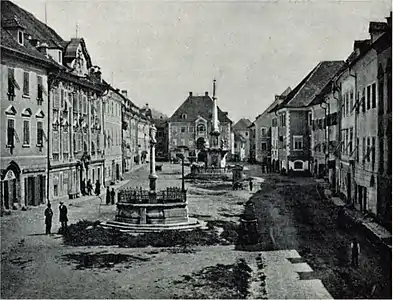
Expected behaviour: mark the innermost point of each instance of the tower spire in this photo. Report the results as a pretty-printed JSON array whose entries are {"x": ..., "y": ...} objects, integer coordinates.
[{"x": 215, "y": 111}]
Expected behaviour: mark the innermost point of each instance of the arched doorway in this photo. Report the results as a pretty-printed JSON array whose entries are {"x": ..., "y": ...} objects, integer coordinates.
[{"x": 11, "y": 185}]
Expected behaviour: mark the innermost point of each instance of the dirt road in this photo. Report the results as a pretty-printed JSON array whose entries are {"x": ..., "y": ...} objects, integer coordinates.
[{"x": 293, "y": 215}]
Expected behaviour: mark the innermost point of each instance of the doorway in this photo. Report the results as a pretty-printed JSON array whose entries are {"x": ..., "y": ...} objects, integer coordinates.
[{"x": 349, "y": 191}]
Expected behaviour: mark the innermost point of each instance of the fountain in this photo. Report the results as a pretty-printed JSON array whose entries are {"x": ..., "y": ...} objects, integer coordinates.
[
  {"x": 216, "y": 151},
  {"x": 150, "y": 210}
]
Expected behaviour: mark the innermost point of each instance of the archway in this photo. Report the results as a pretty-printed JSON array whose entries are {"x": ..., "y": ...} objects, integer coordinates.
[
  {"x": 200, "y": 143},
  {"x": 11, "y": 185},
  {"x": 202, "y": 156}
]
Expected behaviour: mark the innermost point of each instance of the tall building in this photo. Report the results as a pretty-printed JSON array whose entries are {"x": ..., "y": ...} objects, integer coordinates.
[
  {"x": 295, "y": 119},
  {"x": 24, "y": 114},
  {"x": 190, "y": 126}
]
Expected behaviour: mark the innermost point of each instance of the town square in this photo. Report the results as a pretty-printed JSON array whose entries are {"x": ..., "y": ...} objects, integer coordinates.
[{"x": 196, "y": 149}]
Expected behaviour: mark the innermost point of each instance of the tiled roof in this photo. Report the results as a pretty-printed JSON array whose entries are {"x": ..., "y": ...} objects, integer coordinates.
[
  {"x": 242, "y": 124},
  {"x": 195, "y": 106},
  {"x": 312, "y": 84},
  {"x": 277, "y": 101},
  {"x": 34, "y": 27},
  {"x": 8, "y": 41}
]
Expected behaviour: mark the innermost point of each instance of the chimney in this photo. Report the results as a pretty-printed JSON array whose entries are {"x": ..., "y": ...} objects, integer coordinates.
[
  {"x": 376, "y": 29},
  {"x": 359, "y": 46},
  {"x": 43, "y": 48},
  {"x": 190, "y": 94},
  {"x": 206, "y": 94},
  {"x": 124, "y": 93},
  {"x": 147, "y": 105}
]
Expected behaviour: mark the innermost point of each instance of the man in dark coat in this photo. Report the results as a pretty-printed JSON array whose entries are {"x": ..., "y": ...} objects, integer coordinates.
[
  {"x": 89, "y": 187},
  {"x": 251, "y": 184},
  {"x": 48, "y": 218},
  {"x": 113, "y": 193},
  {"x": 83, "y": 187},
  {"x": 108, "y": 195},
  {"x": 97, "y": 189},
  {"x": 63, "y": 217}
]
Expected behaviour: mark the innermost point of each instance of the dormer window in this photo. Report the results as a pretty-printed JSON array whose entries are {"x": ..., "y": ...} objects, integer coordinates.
[
  {"x": 184, "y": 116},
  {"x": 20, "y": 37}
]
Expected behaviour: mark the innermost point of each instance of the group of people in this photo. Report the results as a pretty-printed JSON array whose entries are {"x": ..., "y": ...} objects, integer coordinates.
[
  {"x": 62, "y": 217},
  {"x": 87, "y": 188}
]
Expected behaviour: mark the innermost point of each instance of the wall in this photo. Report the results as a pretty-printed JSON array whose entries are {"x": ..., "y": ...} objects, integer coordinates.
[{"x": 30, "y": 158}]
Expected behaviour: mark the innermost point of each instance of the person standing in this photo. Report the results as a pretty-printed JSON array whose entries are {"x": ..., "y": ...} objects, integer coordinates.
[
  {"x": 108, "y": 196},
  {"x": 63, "y": 217},
  {"x": 48, "y": 219},
  {"x": 355, "y": 249},
  {"x": 83, "y": 187},
  {"x": 251, "y": 184},
  {"x": 89, "y": 187},
  {"x": 113, "y": 196},
  {"x": 97, "y": 189}
]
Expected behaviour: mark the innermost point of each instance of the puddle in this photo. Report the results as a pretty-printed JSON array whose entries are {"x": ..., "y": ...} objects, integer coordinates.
[{"x": 101, "y": 260}]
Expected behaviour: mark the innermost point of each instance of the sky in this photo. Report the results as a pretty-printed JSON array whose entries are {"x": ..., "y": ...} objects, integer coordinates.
[{"x": 159, "y": 51}]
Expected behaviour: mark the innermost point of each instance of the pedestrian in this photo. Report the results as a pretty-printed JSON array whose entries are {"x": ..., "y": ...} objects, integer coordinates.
[
  {"x": 89, "y": 187},
  {"x": 355, "y": 249},
  {"x": 97, "y": 189},
  {"x": 83, "y": 187},
  {"x": 108, "y": 196},
  {"x": 48, "y": 218},
  {"x": 113, "y": 196},
  {"x": 250, "y": 184},
  {"x": 63, "y": 217}
]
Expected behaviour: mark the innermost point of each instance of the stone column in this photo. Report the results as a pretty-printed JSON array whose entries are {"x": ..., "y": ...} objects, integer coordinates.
[{"x": 153, "y": 175}]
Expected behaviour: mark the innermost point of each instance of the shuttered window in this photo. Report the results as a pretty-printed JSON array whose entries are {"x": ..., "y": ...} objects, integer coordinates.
[
  {"x": 26, "y": 83},
  {"x": 26, "y": 132},
  {"x": 39, "y": 133}
]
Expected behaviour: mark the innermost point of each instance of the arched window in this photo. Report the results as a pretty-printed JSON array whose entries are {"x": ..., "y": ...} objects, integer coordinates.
[
  {"x": 298, "y": 165},
  {"x": 93, "y": 148},
  {"x": 184, "y": 116},
  {"x": 201, "y": 128}
]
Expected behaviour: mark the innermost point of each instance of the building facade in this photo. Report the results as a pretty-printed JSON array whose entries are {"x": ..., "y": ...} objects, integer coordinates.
[
  {"x": 241, "y": 129},
  {"x": 294, "y": 118},
  {"x": 190, "y": 126},
  {"x": 113, "y": 135},
  {"x": 24, "y": 116}
]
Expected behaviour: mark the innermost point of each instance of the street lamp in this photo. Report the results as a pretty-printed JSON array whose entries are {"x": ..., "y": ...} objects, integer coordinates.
[{"x": 182, "y": 173}]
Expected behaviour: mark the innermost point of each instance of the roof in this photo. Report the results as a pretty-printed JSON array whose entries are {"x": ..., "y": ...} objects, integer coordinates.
[
  {"x": 277, "y": 100},
  {"x": 37, "y": 29},
  {"x": 303, "y": 94},
  {"x": 8, "y": 42},
  {"x": 242, "y": 124},
  {"x": 318, "y": 99},
  {"x": 195, "y": 106}
]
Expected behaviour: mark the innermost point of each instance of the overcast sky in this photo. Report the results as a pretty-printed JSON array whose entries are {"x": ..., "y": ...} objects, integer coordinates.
[{"x": 161, "y": 50}]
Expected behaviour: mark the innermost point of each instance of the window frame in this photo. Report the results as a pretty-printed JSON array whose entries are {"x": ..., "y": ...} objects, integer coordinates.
[
  {"x": 298, "y": 137},
  {"x": 40, "y": 134},
  {"x": 26, "y": 84},
  {"x": 26, "y": 143}
]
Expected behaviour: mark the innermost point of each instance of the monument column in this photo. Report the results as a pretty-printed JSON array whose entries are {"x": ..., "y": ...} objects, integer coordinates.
[{"x": 152, "y": 175}]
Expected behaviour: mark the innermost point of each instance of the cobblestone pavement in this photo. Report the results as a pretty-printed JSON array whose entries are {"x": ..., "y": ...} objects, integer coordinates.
[{"x": 39, "y": 266}]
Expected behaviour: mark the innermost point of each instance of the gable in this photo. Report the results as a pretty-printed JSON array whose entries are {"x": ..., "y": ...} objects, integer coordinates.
[
  {"x": 10, "y": 111},
  {"x": 27, "y": 113},
  {"x": 40, "y": 114}
]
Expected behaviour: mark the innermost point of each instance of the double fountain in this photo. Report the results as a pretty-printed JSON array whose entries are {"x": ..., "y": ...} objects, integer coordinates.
[{"x": 150, "y": 210}]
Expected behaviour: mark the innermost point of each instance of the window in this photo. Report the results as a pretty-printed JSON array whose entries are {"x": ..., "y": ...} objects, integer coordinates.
[
  {"x": 26, "y": 132},
  {"x": 264, "y": 147},
  {"x": 20, "y": 37},
  {"x": 363, "y": 100},
  {"x": 368, "y": 149},
  {"x": 26, "y": 83},
  {"x": 183, "y": 129},
  {"x": 40, "y": 132},
  {"x": 10, "y": 132},
  {"x": 381, "y": 155},
  {"x": 12, "y": 84},
  {"x": 368, "y": 97},
  {"x": 201, "y": 128},
  {"x": 357, "y": 149},
  {"x": 235, "y": 145},
  {"x": 298, "y": 165},
  {"x": 39, "y": 89},
  {"x": 184, "y": 116},
  {"x": 297, "y": 143},
  {"x": 282, "y": 119},
  {"x": 351, "y": 101},
  {"x": 373, "y": 96},
  {"x": 274, "y": 122},
  {"x": 364, "y": 150},
  {"x": 350, "y": 140},
  {"x": 174, "y": 142},
  {"x": 380, "y": 97},
  {"x": 246, "y": 133},
  {"x": 373, "y": 152},
  {"x": 60, "y": 57},
  {"x": 263, "y": 131},
  {"x": 191, "y": 129}
]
